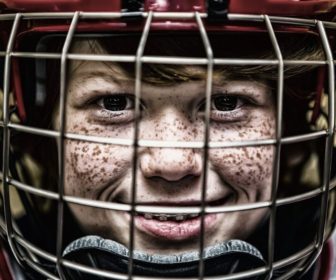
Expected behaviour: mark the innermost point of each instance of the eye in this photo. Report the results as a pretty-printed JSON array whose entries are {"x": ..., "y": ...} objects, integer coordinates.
[
  {"x": 116, "y": 103},
  {"x": 227, "y": 108},
  {"x": 225, "y": 103}
]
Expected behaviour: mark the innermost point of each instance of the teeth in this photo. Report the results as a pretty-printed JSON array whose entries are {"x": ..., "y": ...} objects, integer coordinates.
[
  {"x": 180, "y": 218},
  {"x": 148, "y": 216},
  {"x": 171, "y": 217}
]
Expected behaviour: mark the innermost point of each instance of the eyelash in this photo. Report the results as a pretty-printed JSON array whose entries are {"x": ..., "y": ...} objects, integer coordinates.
[
  {"x": 127, "y": 114},
  {"x": 114, "y": 117},
  {"x": 235, "y": 114}
]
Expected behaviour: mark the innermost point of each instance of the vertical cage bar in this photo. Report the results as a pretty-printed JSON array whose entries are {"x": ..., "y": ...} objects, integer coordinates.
[
  {"x": 329, "y": 144},
  {"x": 276, "y": 161},
  {"x": 331, "y": 130},
  {"x": 208, "y": 91},
  {"x": 61, "y": 139},
  {"x": 138, "y": 77},
  {"x": 6, "y": 138}
]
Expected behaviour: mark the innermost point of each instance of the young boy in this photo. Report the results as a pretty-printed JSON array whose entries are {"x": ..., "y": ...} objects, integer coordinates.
[{"x": 122, "y": 159}]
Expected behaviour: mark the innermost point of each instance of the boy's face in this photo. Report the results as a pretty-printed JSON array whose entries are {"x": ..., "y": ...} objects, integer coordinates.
[{"x": 101, "y": 101}]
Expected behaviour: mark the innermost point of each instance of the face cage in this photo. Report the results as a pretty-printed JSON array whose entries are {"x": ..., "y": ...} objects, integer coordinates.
[{"x": 308, "y": 255}]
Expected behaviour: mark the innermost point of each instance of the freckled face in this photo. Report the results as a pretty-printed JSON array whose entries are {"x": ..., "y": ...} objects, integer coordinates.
[{"x": 101, "y": 102}]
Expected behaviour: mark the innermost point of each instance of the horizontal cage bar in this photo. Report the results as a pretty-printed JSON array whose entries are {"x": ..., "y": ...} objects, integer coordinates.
[
  {"x": 165, "y": 59},
  {"x": 167, "y": 209},
  {"x": 168, "y": 144},
  {"x": 279, "y": 264},
  {"x": 166, "y": 15}
]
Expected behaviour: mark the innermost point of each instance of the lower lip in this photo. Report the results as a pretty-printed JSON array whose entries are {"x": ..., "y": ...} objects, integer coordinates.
[{"x": 172, "y": 230}]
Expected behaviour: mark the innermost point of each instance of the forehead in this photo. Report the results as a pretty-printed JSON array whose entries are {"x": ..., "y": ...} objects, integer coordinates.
[{"x": 163, "y": 74}]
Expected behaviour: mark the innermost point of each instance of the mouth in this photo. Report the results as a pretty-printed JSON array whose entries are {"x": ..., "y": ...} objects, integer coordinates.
[
  {"x": 177, "y": 227},
  {"x": 169, "y": 217}
]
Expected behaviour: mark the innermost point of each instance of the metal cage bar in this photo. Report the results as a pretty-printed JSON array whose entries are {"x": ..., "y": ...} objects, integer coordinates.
[
  {"x": 164, "y": 59},
  {"x": 331, "y": 128},
  {"x": 328, "y": 146},
  {"x": 138, "y": 77},
  {"x": 167, "y": 143},
  {"x": 164, "y": 15},
  {"x": 277, "y": 265},
  {"x": 61, "y": 140},
  {"x": 276, "y": 160},
  {"x": 159, "y": 15},
  {"x": 163, "y": 209},
  {"x": 6, "y": 140},
  {"x": 208, "y": 92}
]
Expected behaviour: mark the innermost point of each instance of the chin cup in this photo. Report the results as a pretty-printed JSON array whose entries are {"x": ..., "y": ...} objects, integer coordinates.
[{"x": 224, "y": 258}]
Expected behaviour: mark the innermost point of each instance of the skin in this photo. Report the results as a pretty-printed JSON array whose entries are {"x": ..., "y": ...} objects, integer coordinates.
[{"x": 167, "y": 176}]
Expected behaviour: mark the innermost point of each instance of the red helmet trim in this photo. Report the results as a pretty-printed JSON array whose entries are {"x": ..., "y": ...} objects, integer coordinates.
[{"x": 272, "y": 7}]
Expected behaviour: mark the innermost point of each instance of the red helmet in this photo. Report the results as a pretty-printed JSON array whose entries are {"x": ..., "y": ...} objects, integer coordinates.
[{"x": 139, "y": 135}]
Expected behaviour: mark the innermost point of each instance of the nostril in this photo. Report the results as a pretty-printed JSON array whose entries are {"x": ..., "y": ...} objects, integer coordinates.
[
  {"x": 172, "y": 174},
  {"x": 170, "y": 187}
]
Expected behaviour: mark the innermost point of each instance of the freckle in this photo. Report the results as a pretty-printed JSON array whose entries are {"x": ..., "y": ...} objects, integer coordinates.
[{"x": 83, "y": 129}]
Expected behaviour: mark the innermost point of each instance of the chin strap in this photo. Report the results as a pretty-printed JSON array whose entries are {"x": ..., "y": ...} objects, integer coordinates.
[{"x": 224, "y": 258}]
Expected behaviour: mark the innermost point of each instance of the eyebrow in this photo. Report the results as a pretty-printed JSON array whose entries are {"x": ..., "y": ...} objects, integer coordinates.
[
  {"x": 121, "y": 79},
  {"x": 109, "y": 77}
]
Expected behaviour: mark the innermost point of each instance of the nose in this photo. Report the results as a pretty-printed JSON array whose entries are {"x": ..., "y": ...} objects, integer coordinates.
[{"x": 171, "y": 164}]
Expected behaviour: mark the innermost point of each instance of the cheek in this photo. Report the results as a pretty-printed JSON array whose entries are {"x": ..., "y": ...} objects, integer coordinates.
[
  {"x": 90, "y": 166},
  {"x": 248, "y": 168},
  {"x": 263, "y": 128}
]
